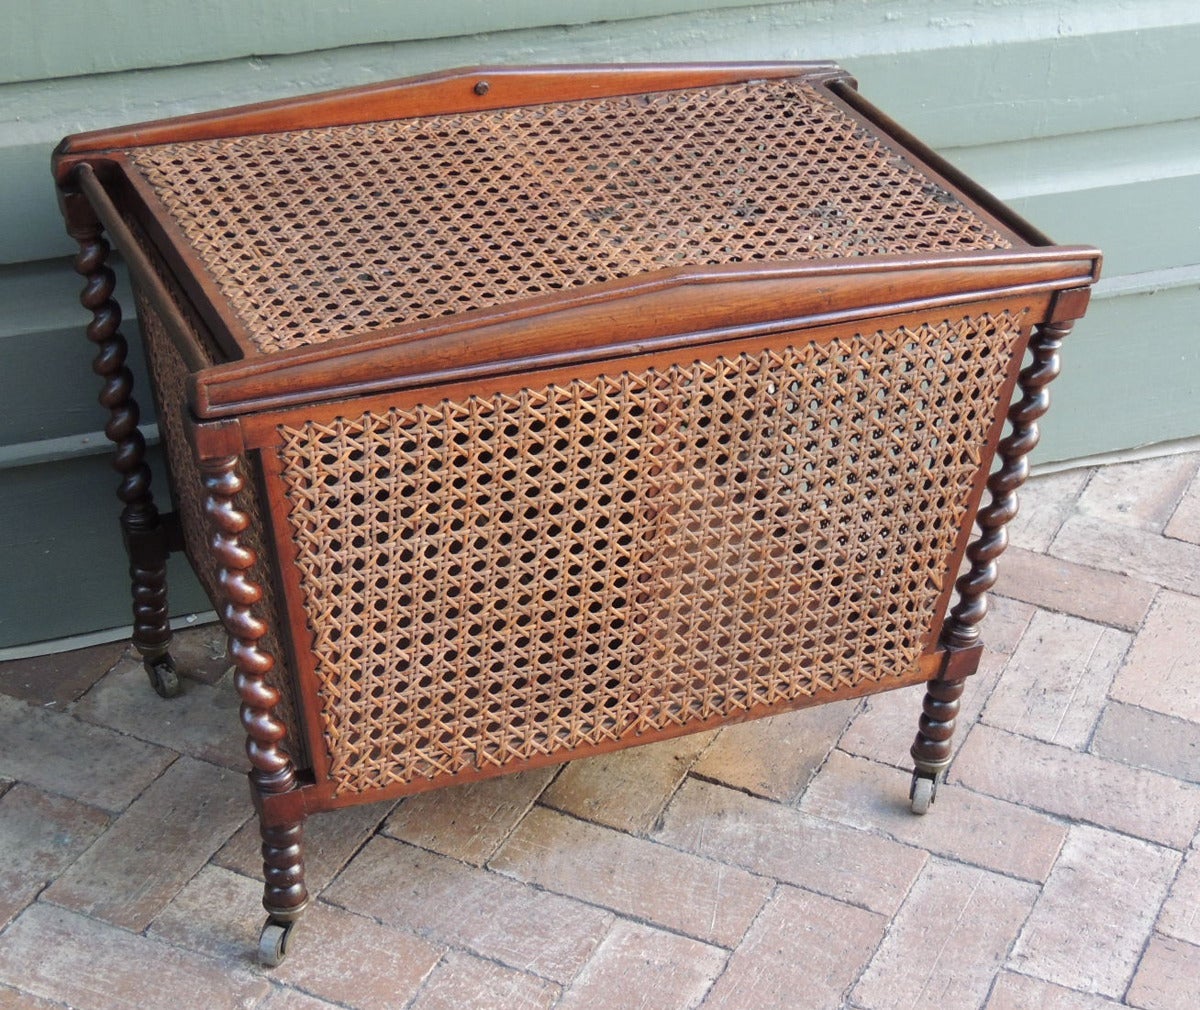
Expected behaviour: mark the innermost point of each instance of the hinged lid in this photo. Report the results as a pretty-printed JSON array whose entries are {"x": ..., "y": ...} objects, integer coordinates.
[{"x": 494, "y": 198}]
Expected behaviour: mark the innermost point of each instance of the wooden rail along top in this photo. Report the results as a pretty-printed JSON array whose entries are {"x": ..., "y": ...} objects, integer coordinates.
[{"x": 517, "y": 415}]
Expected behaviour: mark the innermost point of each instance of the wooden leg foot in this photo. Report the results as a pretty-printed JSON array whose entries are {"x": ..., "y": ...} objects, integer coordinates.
[
  {"x": 931, "y": 749},
  {"x": 285, "y": 896}
]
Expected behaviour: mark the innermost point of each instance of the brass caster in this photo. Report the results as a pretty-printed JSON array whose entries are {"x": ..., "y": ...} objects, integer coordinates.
[
  {"x": 922, "y": 793},
  {"x": 273, "y": 943},
  {"x": 163, "y": 677}
]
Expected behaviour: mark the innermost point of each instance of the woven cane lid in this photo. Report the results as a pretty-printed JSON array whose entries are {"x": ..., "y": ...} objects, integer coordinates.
[{"x": 322, "y": 233}]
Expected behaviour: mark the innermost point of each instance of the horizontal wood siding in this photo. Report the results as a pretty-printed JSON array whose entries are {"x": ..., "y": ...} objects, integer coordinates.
[{"x": 1085, "y": 114}]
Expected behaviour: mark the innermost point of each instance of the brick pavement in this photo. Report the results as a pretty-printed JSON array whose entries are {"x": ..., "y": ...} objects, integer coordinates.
[{"x": 767, "y": 865}]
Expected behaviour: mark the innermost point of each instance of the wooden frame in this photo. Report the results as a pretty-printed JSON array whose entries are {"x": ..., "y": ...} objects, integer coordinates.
[{"x": 239, "y": 404}]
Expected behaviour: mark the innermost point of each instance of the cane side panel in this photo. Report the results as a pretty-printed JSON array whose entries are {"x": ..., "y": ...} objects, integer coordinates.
[
  {"x": 313, "y": 234},
  {"x": 502, "y": 577},
  {"x": 169, "y": 375}
]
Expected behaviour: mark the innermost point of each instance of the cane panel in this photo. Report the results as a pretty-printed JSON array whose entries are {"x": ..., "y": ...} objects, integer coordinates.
[
  {"x": 501, "y": 577},
  {"x": 169, "y": 374},
  {"x": 313, "y": 234}
]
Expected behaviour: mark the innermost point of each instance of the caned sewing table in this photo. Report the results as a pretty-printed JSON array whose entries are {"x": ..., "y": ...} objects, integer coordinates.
[{"x": 519, "y": 415}]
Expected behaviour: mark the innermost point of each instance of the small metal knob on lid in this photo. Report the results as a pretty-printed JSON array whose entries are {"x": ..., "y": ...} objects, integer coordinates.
[{"x": 482, "y": 88}]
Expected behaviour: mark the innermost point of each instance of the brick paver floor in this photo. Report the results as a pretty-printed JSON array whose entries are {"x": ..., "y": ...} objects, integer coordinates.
[{"x": 768, "y": 865}]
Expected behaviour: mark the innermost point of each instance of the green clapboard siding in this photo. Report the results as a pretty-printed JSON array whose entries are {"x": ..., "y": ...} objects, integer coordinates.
[
  {"x": 65, "y": 573},
  {"x": 1085, "y": 114},
  {"x": 1141, "y": 226},
  {"x": 952, "y": 92},
  {"x": 129, "y": 35},
  {"x": 43, "y": 323},
  {"x": 1124, "y": 369}
]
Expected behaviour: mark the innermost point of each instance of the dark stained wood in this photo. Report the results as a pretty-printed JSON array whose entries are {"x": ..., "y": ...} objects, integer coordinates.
[
  {"x": 320, "y": 795},
  {"x": 683, "y": 307},
  {"x": 241, "y": 413},
  {"x": 260, "y": 429},
  {"x": 284, "y": 896},
  {"x": 271, "y": 769},
  {"x": 144, "y": 274},
  {"x": 145, "y": 538},
  {"x": 931, "y": 750},
  {"x": 962, "y": 627},
  {"x": 939, "y": 167},
  {"x": 446, "y": 91}
]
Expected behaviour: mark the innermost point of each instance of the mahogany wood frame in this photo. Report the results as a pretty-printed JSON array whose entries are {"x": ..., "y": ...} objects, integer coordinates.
[{"x": 236, "y": 406}]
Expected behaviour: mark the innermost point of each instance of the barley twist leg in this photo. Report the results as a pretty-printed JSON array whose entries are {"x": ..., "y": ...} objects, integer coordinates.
[{"x": 931, "y": 750}]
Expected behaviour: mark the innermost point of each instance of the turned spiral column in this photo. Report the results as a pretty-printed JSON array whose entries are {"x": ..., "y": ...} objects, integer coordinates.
[
  {"x": 141, "y": 527},
  {"x": 962, "y": 626},
  {"x": 271, "y": 769},
  {"x": 931, "y": 749}
]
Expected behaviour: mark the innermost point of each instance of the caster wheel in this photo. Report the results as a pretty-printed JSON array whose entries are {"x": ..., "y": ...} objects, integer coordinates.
[
  {"x": 922, "y": 795},
  {"x": 163, "y": 677},
  {"x": 273, "y": 943}
]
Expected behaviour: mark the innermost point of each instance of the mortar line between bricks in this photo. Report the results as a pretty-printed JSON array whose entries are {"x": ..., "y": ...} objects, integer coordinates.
[
  {"x": 1179, "y": 540},
  {"x": 1108, "y": 698},
  {"x": 883, "y": 935},
  {"x": 282, "y": 987},
  {"x": 565, "y": 986},
  {"x": 946, "y": 935},
  {"x": 945, "y": 857},
  {"x": 1184, "y": 487},
  {"x": 244, "y": 770},
  {"x": 371, "y": 835},
  {"x": 647, "y": 839},
  {"x": 1067, "y": 513},
  {"x": 1082, "y": 822},
  {"x": 905, "y": 767},
  {"x": 1086, "y": 749},
  {"x": 1124, "y": 997},
  {"x": 424, "y": 983},
  {"x": 318, "y": 899},
  {"x": 518, "y": 821},
  {"x": 1068, "y": 988},
  {"x": 1051, "y": 608},
  {"x": 125, "y": 655},
  {"x": 848, "y": 827},
  {"x": 630, "y": 916},
  {"x": 1005, "y": 964},
  {"x": 25, "y": 992},
  {"x": 733, "y": 787},
  {"x": 770, "y": 900},
  {"x": 656, "y": 821},
  {"x": 145, "y": 930},
  {"x": 447, "y": 946},
  {"x": 991, "y": 986},
  {"x": 1071, "y": 750},
  {"x": 141, "y": 936},
  {"x": 114, "y": 814},
  {"x": 696, "y": 855},
  {"x": 1176, "y": 586},
  {"x": 795, "y": 804},
  {"x": 1152, "y": 712},
  {"x": 1154, "y": 930},
  {"x": 747, "y": 791}
]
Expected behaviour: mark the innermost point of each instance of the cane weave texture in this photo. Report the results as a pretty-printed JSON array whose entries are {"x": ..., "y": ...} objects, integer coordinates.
[
  {"x": 508, "y": 576},
  {"x": 169, "y": 373},
  {"x": 319, "y": 233}
]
